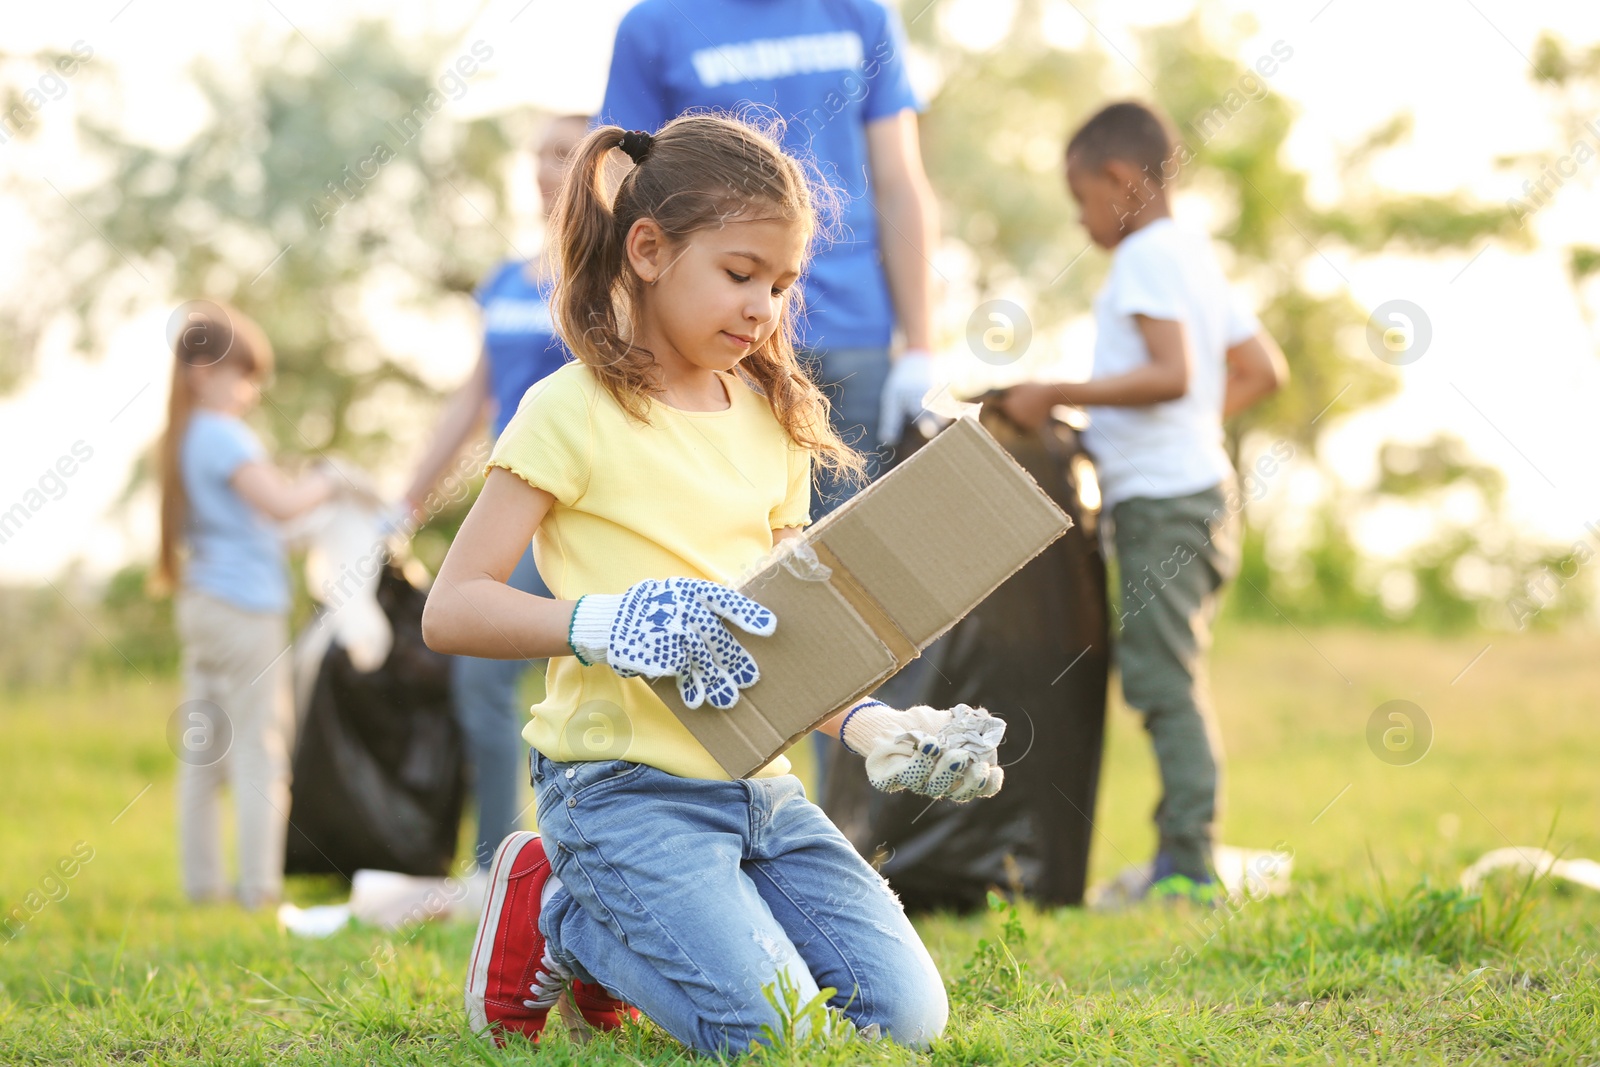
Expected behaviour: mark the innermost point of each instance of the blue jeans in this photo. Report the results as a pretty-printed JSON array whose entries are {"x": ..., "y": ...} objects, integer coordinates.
[
  {"x": 491, "y": 717},
  {"x": 684, "y": 896}
]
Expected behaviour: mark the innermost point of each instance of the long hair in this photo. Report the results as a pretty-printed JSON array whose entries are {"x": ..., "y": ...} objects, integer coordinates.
[
  {"x": 209, "y": 335},
  {"x": 702, "y": 170}
]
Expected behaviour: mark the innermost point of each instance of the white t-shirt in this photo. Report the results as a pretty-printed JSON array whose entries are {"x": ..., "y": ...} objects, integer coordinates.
[{"x": 1171, "y": 449}]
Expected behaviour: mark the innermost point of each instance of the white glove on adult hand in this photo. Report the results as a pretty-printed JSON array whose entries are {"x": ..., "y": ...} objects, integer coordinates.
[
  {"x": 910, "y": 378},
  {"x": 951, "y": 753},
  {"x": 673, "y": 626}
]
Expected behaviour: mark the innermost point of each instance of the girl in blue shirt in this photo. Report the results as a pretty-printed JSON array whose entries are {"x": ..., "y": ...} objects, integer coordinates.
[{"x": 220, "y": 551}]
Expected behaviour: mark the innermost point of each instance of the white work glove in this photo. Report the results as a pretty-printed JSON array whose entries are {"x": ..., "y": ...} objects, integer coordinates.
[
  {"x": 673, "y": 626},
  {"x": 950, "y": 753},
  {"x": 910, "y": 378}
]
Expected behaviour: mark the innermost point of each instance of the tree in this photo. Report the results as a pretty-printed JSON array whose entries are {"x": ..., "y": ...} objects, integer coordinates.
[
  {"x": 994, "y": 137},
  {"x": 1570, "y": 79},
  {"x": 313, "y": 182}
]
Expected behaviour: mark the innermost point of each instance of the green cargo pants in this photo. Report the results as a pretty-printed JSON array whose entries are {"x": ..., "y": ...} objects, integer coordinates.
[{"x": 1175, "y": 555}]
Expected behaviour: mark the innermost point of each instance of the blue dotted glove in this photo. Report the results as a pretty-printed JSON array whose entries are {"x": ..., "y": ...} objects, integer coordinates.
[{"x": 673, "y": 626}]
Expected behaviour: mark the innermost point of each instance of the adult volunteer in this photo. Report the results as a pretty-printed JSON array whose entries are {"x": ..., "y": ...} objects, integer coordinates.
[
  {"x": 835, "y": 72},
  {"x": 520, "y": 347}
]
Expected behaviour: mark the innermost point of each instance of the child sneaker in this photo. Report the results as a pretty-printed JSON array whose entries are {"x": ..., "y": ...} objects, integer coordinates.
[
  {"x": 512, "y": 981},
  {"x": 1180, "y": 888},
  {"x": 1167, "y": 886},
  {"x": 600, "y": 1009},
  {"x": 510, "y": 987}
]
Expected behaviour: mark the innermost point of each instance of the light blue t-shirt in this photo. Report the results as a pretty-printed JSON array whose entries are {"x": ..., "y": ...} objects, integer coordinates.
[
  {"x": 519, "y": 336},
  {"x": 235, "y": 552},
  {"x": 828, "y": 68}
]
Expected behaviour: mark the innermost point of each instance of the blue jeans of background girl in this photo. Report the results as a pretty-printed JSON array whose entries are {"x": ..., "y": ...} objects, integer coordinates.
[
  {"x": 492, "y": 717},
  {"x": 684, "y": 896}
]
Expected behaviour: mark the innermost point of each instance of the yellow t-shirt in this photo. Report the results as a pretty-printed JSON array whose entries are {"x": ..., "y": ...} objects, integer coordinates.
[{"x": 695, "y": 494}]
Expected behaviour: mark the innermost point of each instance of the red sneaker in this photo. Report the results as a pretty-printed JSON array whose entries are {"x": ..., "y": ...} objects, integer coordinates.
[
  {"x": 600, "y": 1009},
  {"x": 512, "y": 982},
  {"x": 509, "y": 987}
]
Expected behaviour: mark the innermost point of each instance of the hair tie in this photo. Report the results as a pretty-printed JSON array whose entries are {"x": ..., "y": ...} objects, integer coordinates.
[{"x": 637, "y": 144}]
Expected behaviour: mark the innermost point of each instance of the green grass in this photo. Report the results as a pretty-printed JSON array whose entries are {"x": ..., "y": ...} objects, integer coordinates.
[{"x": 1375, "y": 958}]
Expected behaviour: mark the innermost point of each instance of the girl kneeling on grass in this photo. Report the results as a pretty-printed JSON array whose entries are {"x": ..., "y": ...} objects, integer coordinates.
[{"x": 674, "y": 453}]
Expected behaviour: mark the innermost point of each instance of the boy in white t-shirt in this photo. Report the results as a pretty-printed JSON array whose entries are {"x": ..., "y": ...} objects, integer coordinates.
[{"x": 1175, "y": 354}]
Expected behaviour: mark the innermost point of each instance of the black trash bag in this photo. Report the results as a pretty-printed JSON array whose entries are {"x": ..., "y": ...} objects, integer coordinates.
[
  {"x": 379, "y": 772},
  {"x": 1037, "y": 654}
]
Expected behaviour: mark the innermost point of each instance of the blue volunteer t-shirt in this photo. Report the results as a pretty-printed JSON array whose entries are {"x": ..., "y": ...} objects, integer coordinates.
[
  {"x": 828, "y": 68},
  {"x": 235, "y": 552},
  {"x": 519, "y": 335}
]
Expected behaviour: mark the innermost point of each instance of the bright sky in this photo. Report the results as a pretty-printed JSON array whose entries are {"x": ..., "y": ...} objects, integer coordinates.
[{"x": 1512, "y": 367}]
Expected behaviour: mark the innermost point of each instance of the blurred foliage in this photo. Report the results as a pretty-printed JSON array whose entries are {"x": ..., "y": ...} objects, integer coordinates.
[
  {"x": 47, "y": 640},
  {"x": 994, "y": 140},
  {"x": 1568, "y": 76},
  {"x": 139, "y": 628},
  {"x": 73, "y": 630},
  {"x": 1583, "y": 261},
  {"x": 1558, "y": 64},
  {"x": 31, "y": 83},
  {"x": 245, "y": 211},
  {"x": 1410, "y": 471},
  {"x": 1473, "y": 572}
]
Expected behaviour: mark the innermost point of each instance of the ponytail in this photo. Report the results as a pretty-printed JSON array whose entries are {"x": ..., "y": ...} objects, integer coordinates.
[
  {"x": 593, "y": 285},
  {"x": 700, "y": 170},
  {"x": 174, "y": 501}
]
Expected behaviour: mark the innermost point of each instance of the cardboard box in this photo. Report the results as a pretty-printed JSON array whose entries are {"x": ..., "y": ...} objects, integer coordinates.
[{"x": 872, "y": 585}]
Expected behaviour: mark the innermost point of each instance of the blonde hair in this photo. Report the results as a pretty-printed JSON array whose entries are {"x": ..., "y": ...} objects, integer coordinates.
[
  {"x": 701, "y": 170},
  {"x": 210, "y": 334}
]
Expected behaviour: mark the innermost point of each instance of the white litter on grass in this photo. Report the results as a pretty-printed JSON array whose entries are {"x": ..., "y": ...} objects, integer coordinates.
[
  {"x": 1252, "y": 873},
  {"x": 1534, "y": 861},
  {"x": 390, "y": 901},
  {"x": 1245, "y": 874},
  {"x": 323, "y": 920}
]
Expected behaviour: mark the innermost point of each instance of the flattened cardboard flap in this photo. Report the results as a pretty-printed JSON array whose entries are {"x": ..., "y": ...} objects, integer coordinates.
[{"x": 872, "y": 585}]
